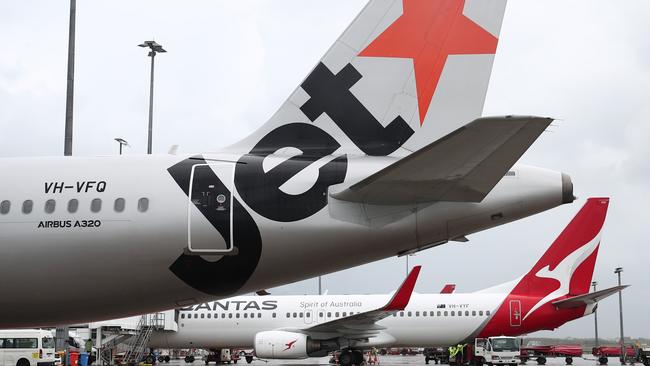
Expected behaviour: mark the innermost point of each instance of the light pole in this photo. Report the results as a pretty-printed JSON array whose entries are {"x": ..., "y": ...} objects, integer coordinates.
[
  {"x": 122, "y": 143},
  {"x": 595, "y": 316},
  {"x": 154, "y": 49},
  {"x": 618, "y": 271},
  {"x": 69, "y": 96}
]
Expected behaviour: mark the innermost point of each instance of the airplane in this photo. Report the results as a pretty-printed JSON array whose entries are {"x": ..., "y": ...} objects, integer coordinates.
[
  {"x": 380, "y": 151},
  {"x": 554, "y": 292}
]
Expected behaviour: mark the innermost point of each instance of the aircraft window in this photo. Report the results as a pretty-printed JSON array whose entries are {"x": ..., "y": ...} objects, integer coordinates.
[
  {"x": 460, "y": 313},
  {"x": 259, "y": 315},
  {"x": 409, "y": 313},
  {"x": 223, "y": 315},
  {"x": 300, "y": 314},
  {"x": 229, "y": 315},
  {"x": 288, "y": 315},
  {"x": 329, "y": 315},
  {"x": 96, "y": 205},
  {"x": 50, "y": 205},
  {"x": 307, "y": 315},
  {"x": 487, "y": 312},
  {"x": 446, "y": 313},
  {"x": 473, "y": 312},
  {"x": 480, "y": 312},
  {"x": 401, "y": 313},
  {"x": 295, "y": 315},
  {"x": 337, "y": 314},
  {"x": 466, "y": 313},
  {"x": 320, "y": 314},
  {"x": 237, "y": 315},
  {"x": 119, "y": 205},
  {"x": 453, "y": 313},
  {"x": 182, "y": 316},
  {"x": 246, "y": 315},
  {"x": 417, "y": 313},
  {"x": 73, "y": 205},
  {"x": 27, "y": 206},
  {"x": 209, "y": 316},
  {"x": 439, "y": 314},
  {"x": 273, "y": 315},
  {"x": 196, "y": 316},
  {"x": 395, "y": 314},
  {"x": 4, "y": 207},
  {"x": 143, "y": 204},
  {"x": 202, "y": 316},
  {"x": 345, "y": 314},
  {"x": 431, "y": 313}
]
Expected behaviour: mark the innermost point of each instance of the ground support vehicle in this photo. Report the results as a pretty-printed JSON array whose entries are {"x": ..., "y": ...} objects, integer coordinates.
[
  {"x": 603, "y": 352},
  {"x": 27, "y": 347},
  {"x": 436, "y": 354},
  {"x": 220, "y": 356},
  {"x": 541, "y": 353},
  {"x": 643, "y": 355},
  {"x": 496, "y": 351}
]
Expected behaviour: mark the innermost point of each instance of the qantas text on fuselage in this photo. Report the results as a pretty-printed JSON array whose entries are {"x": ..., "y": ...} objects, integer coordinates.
[{"x": 368, "y": 158}]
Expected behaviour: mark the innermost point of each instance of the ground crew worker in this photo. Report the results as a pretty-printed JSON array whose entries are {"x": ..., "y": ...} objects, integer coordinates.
[
  {"x": 89, "y": 346},
  {"x": 374, "y": 359}
]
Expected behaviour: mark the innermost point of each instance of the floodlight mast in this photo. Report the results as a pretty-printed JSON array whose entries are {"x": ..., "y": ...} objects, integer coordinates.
[{"x": 154, "y": 49}]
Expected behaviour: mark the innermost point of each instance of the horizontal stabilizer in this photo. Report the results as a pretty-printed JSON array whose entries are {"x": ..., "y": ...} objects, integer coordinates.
[
  {"x": 463, "y": 166},
  {"x": 587, "y": 299}
]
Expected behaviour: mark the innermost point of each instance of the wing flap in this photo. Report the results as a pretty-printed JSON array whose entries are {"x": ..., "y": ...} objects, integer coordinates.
[{"x": 463, "y": 166}]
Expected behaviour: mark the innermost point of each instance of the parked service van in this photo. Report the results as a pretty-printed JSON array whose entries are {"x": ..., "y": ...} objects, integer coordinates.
[{"x": 26, "y": 347}]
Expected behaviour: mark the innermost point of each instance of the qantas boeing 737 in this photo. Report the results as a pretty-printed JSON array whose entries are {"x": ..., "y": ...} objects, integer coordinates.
[
  {"x": 553, "y": 292},
  {"x": 380, "y": 151}
]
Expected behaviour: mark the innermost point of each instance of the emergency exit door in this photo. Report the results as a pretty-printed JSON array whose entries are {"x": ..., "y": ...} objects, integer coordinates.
[
  {"x": 515, "y": 313},
  {"x": 209, "y": 214}
]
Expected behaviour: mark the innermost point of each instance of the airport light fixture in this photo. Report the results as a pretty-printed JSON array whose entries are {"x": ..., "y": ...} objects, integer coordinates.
[
  {"x": 154, "y": 48},
  {"x": 122, "y": 143},
  {"x": 594, "y": 284},
  {"x": 618, "y": 271}
]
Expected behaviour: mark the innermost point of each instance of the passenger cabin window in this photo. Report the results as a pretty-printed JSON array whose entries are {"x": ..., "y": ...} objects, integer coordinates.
[
  {"x": 96, "y": 205},
  {"x": 453, "y": 313},
  {"x": 4, "y": 207},
  {"x": 480, "y": 312},
  {"x": 143, "y": 204},
  {"x": 487, "y": 312},
  {"x": 73, "y": 205},
  {"x": 119, "y": 205},
  {"x": 182, "y": 316},
  {"x": 431, "y": 313},
  {"x": 50, "y": 205},
  {"x": 466, "y": 313},
  {"x": 273, "y": 315},
  {"x": 28, "y": 205},
  {"x": 417, "y": 313},
  {"x": 473, "y": 312}
]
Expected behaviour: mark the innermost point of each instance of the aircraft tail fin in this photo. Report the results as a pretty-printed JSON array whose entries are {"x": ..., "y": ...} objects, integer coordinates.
[{"x": 404, "y": 73}]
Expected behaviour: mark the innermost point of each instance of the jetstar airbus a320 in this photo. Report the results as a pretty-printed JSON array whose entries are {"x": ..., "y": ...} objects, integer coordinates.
[{"x": 380, "y": 151}]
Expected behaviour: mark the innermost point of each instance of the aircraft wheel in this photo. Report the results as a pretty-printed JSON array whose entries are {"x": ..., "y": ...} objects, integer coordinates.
[
  {"x": 357, "y": 357},
  {"x": 569, "y": 360},
  {"x": 602, "y": 360},
  {"x": 249, "y": 359},
  {"x": 426, "y": 360},
  {"x": 541, "y": 360},
  {"x": 167, "y": 359},
  {"x": 345, "y": 359}
]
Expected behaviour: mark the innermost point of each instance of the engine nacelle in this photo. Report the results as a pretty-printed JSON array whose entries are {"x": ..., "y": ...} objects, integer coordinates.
[{"x": 289, "y": 345}]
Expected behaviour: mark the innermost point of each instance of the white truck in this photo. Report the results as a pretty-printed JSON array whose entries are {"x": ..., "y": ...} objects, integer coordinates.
[{"x": 497, "y": 351}]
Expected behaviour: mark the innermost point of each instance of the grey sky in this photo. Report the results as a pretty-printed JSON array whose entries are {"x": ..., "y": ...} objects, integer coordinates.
[{"x": 231, "y": 64}]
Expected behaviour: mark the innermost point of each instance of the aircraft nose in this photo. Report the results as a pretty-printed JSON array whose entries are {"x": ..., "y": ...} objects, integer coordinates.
[{"x": 567, "y": 189}]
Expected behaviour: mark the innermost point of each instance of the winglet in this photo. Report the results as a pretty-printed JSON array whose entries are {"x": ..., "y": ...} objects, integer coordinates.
[
  {"x": 403, "y": 294},
  {"x": 448, "y": 289}
]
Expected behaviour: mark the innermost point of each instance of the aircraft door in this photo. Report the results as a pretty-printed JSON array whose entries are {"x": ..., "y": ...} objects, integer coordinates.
[
  {"x": 209, "y": 212},
  {"x": 515, "y": 313}
]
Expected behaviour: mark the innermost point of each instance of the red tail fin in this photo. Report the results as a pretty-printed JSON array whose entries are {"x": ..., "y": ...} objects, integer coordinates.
[{"x": 565, "y": 270}]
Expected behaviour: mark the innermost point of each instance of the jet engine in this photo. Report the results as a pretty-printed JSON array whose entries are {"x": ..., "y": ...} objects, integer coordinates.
[{"x": 276, "y": 344}]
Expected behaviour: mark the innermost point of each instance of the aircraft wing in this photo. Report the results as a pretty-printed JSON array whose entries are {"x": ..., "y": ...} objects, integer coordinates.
[
  {"x": 363, "y": 325},
  {"x": 463, "y": 166},
  {"x": 587, "y": 299}
]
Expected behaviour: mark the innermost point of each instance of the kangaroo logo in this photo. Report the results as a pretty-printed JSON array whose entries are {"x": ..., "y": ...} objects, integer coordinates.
[{"x": 290, "y": 345}]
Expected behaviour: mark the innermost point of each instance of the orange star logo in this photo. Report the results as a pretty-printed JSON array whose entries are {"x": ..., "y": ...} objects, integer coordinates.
[{"x": 427, "y": 32}]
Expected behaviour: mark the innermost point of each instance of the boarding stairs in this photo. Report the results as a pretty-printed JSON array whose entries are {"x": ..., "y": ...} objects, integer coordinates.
[{"x": 137, "y": 344}]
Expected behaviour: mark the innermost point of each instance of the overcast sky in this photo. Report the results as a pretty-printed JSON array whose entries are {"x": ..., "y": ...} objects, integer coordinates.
[{"x": 231, "y": 64}]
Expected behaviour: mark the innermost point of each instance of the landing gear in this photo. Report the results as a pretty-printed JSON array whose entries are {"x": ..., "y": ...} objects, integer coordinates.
[
  {"x": 602, "y": 360},
  {"x": 541, "y": 360},
  {"x": 569, "y": 360},
  {"x": 349, "y": 358}
]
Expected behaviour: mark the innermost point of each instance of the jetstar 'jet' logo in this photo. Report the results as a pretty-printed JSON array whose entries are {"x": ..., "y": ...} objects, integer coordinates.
[
  {"x": 428, "y": 32},
  {"x": 290, "y": 345}
]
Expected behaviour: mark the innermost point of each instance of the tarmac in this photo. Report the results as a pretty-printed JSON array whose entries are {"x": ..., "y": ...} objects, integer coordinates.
[{"x": 399, "y": 360}]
